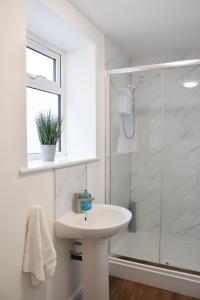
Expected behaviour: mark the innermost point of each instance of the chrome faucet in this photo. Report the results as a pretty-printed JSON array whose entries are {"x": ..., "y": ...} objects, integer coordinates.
[{"x": 83, "y": 202}]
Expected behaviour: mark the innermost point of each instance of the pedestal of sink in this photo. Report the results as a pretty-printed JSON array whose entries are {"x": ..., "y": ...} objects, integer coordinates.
[
  {"x": 101, "y": 223},
  {"x": 95, "y": 270}
]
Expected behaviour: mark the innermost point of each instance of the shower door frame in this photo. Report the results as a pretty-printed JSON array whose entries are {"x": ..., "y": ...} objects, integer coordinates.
[{"x": 176, "y": 281}]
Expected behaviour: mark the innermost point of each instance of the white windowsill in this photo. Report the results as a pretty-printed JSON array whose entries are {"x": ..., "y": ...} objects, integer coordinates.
[{"x": 39, "y": 165}]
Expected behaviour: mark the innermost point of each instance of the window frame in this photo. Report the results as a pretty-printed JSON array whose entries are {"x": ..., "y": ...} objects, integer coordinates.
[{"x": 46, "y": 85}]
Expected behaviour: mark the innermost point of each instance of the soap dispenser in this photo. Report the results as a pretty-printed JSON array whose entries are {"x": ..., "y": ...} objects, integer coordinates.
[
  {"x": 86, "y": 203},
  {"x": 83, "y": 202}
]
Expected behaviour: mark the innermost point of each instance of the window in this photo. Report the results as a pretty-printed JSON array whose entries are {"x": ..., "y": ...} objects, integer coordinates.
[
  {"x": 44, "y": 90},
  {"x": 40, "y": 64}
]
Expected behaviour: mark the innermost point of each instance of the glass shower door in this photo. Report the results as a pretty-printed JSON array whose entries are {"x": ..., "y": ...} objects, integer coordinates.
[
  {"x": 180, "y": 213},
  {"x": 135, "y": 162}
]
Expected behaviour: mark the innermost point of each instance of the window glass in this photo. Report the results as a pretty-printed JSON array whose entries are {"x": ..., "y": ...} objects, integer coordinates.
[
  {"x": 38, "y": 101},
  {"x": 40, "y": 65}
]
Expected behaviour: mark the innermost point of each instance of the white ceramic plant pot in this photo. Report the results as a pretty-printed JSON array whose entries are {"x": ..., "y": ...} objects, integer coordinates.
[{"x": 48, "y": 152}]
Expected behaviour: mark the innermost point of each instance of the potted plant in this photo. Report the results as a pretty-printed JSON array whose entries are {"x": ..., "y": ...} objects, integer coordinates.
[{"x": 49, "y": 131}]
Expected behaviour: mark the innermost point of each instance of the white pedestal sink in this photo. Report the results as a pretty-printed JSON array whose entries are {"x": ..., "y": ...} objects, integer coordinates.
[{"x": 94, "y": 229}]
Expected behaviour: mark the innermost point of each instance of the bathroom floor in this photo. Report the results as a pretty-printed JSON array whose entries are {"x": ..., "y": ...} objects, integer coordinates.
[{"x": 121, "y": 289}]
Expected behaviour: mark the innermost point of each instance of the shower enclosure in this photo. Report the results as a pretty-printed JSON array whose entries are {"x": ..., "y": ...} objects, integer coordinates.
[{"x": 154, "y": 162}]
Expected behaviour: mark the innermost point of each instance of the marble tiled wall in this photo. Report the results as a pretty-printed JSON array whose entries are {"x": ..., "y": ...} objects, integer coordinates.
[
  {"x": 121, "y": 147},
  {"x": 120, "y": 179},
  {"x": 119, "y": 92},
  {"x": 146, "y": 155},
  {"x": 181, "y": 154},
  {"x": 120, "y": 160},
  {"x": 165, "y": 172},
  {"x": 69, "y": 181},
  {"x": 120, "y": 192}
]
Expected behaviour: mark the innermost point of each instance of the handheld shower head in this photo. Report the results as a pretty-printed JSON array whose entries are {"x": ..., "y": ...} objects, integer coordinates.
[{"x": 131, "y": 89}]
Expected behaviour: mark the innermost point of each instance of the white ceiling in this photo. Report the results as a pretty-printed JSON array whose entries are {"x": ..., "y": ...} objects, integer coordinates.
[{"x": 147, "y": 28}]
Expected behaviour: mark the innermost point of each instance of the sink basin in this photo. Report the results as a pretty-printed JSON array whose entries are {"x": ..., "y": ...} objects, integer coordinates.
[
  {"x": 102, "y": 222},
  {"x": 94, "y": 228}
]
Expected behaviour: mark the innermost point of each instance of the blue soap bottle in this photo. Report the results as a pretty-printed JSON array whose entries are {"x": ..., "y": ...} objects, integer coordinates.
[{"x": 85, "y": 204}]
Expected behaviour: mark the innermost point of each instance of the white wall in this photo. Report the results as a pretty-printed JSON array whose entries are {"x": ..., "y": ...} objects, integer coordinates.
[
  {"x": 19, "y": 193},
  {"x": 115, "y": 57},
  {"x": 80, "y": 102}
]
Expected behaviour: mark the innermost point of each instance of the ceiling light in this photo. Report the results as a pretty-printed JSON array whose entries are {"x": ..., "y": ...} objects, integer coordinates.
[{"x": 190, "y": 84}]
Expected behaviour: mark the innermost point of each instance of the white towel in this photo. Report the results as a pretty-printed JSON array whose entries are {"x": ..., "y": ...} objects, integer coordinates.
[{"x": 40, "y": 254}]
